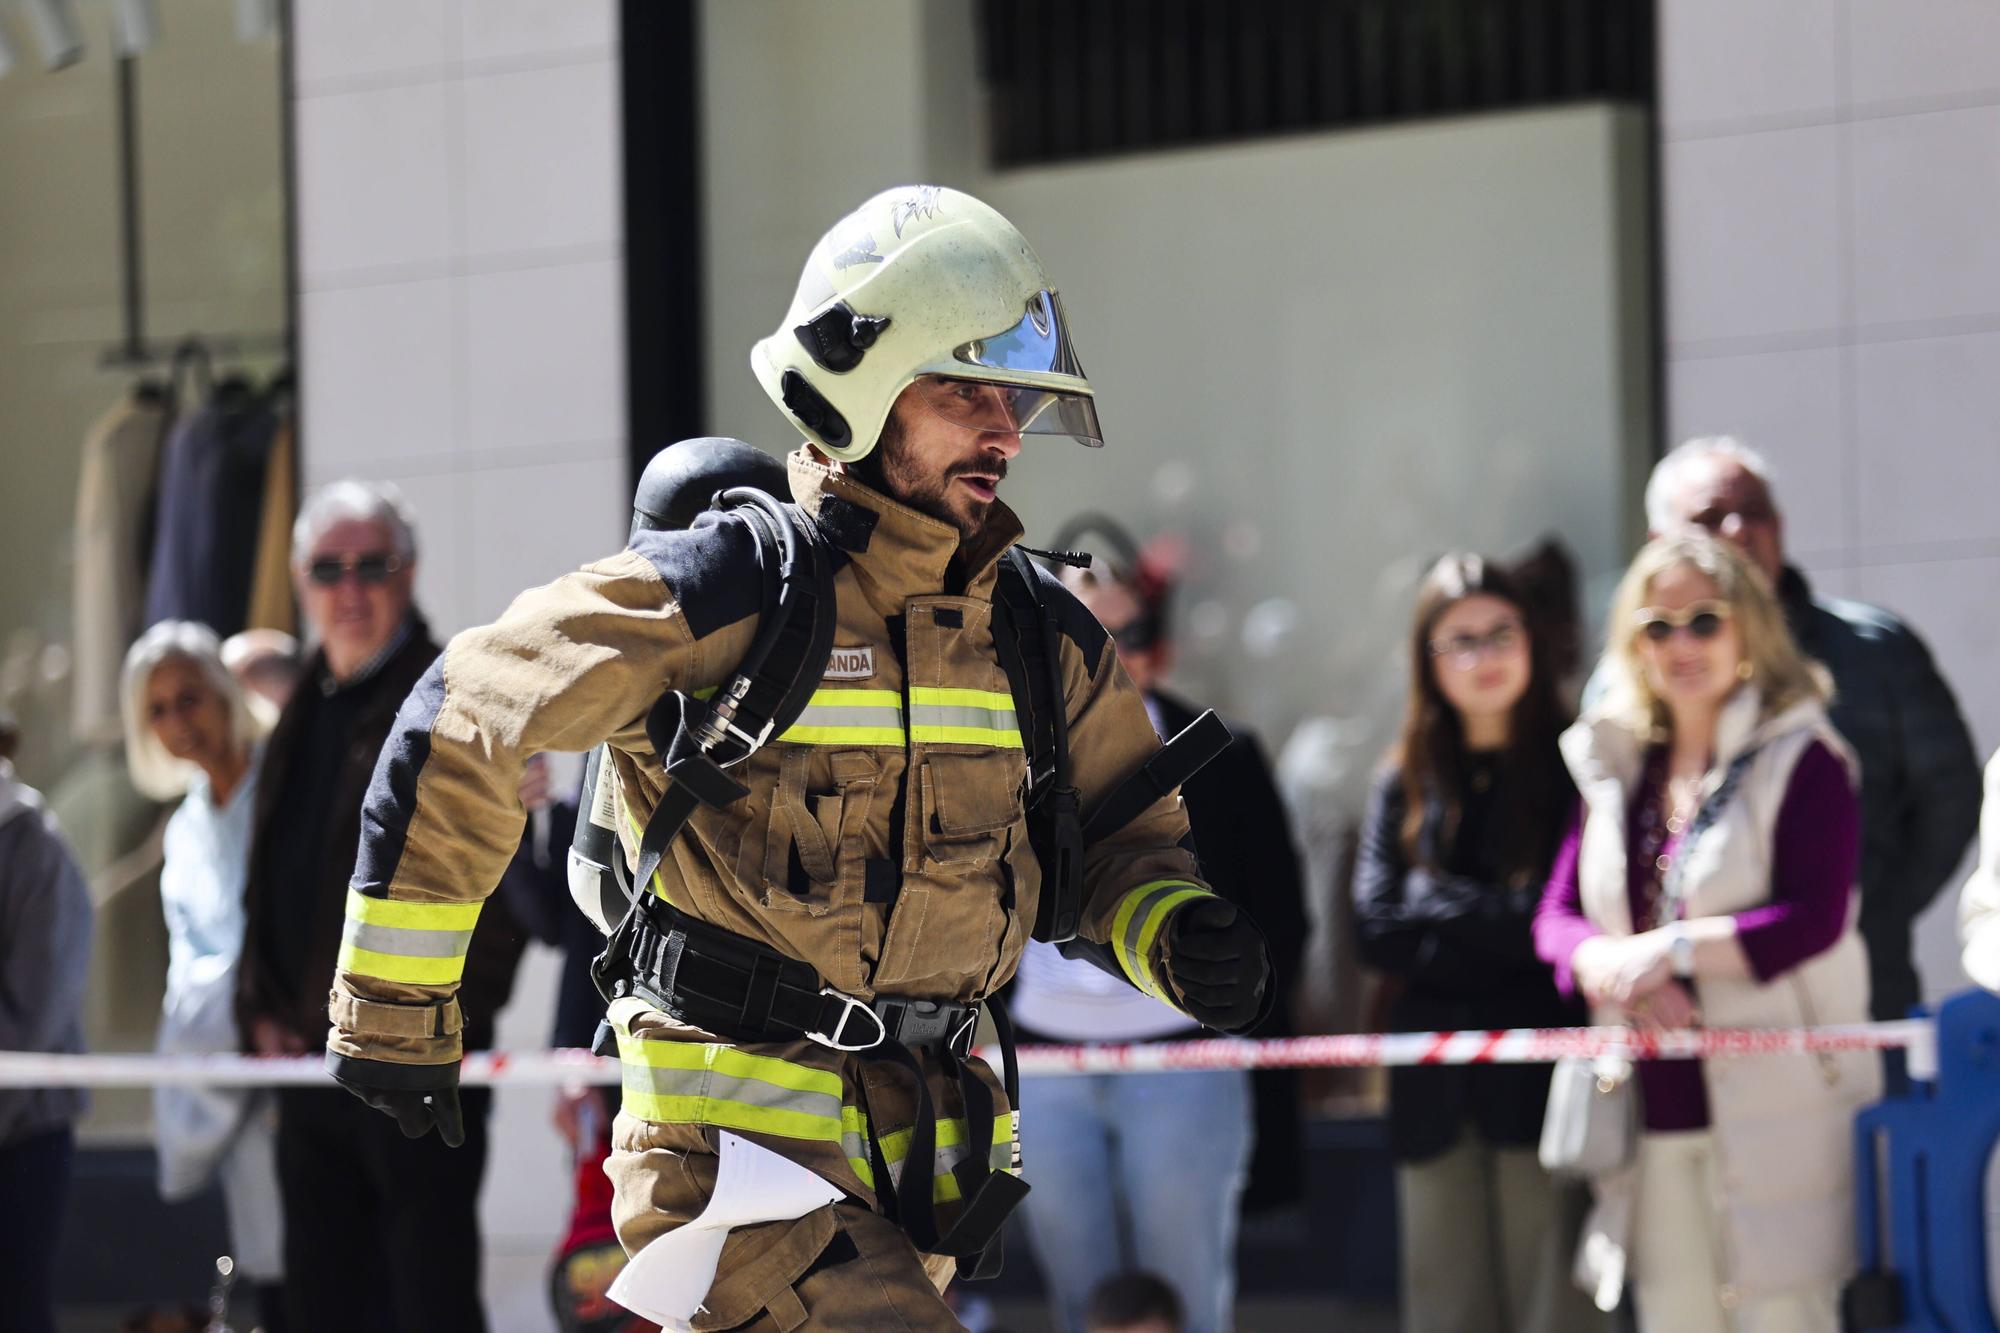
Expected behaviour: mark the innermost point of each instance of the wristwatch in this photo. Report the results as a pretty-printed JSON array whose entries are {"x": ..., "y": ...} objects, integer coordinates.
[{"x": 1680, "y": 952}]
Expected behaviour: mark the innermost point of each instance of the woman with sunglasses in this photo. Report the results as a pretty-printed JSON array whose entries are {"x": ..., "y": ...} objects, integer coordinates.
[
  {"x": 192, "y": 732},
  {"x": 1464, "y": 821},
  {"x": 1709, "y": 882}
]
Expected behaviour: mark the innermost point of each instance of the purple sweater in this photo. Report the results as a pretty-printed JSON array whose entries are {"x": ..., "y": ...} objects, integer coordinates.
[{"x": 1814, "y": 860}]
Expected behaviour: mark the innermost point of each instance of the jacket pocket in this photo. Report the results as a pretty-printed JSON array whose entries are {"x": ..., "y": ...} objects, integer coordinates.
[
  {"x": 970, "y": 802},
  {"x": 814, "y": 842}
]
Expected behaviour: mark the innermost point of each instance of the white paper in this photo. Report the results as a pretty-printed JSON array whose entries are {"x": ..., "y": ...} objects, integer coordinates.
[{"x": 667, "y": 1281}]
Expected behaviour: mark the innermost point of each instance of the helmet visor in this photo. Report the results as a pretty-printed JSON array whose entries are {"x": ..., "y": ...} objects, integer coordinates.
[
  {"x": 1009, "y": 409},
  {"x": 1038, "y": 345}
]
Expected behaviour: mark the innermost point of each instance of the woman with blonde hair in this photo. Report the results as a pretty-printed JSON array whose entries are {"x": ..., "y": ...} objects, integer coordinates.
[
  {"x": 1709, "y": 881},
  {"x": 191, "y": 731}
]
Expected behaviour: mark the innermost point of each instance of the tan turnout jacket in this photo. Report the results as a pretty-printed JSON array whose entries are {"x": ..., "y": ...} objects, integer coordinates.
[{"x": 905, "y": 774}]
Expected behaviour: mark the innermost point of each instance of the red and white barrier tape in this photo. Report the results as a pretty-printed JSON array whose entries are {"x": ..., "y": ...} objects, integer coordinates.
[{"x": 1506, "y": 1047}]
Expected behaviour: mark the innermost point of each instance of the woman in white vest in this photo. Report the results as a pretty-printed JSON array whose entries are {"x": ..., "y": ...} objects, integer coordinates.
[
  {"x": 191, "y": 730},
  {"x": 1710, "y": 882}
]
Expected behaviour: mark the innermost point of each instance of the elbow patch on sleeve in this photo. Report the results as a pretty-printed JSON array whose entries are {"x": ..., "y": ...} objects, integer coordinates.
[
  {"x": 712, "y": 569},
  {"x": 392, "y": 790}
]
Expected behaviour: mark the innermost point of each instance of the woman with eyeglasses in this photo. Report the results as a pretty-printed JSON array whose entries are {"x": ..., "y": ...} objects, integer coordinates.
[
  {"x": 1463, "y": 824},
  {"x": 1708, "y": 881},
  {"x": 192, "y": 732}
]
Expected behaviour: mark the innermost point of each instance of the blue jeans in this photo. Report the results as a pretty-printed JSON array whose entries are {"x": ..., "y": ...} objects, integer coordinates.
[{"x": 1137, "y": 1171}]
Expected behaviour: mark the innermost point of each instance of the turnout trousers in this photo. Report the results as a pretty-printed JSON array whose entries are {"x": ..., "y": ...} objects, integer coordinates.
[{"x": 839, "y": 1269}]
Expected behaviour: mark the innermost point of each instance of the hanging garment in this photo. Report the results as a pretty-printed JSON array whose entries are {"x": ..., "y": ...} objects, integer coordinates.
[
  {"x": 111, "y": 545},
  {"x": 211, "y": 508},
  {"x": 271, "y": 605}
]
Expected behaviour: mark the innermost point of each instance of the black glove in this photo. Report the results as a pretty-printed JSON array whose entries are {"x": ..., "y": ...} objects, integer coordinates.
[
  {"x": 1217, "y": 961},
  {"x": 414, "y": 1096}
]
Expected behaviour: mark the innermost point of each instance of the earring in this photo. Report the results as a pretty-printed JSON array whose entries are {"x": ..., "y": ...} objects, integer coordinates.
[{"x": 1744, "y": 670}]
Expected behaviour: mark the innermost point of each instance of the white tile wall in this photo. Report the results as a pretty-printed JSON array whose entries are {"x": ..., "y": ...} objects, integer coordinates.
[
  {"x": 389, "y": 206},
  {"x": 462, "y": 310},
  {"x": 1908, "y": 50},
  {"x": 530, "y": 524},
  {"x": 1865, "y": 244},
  {"x": 1916, "y": 403},
  {"x": 380, "y": 385},
  {"x": 538, "y": 30},
  {"x": 1926, "y": 191},
  {"x": 346, "y": 40},
  {"x": 1728, "y": 61},
  {"x": 541, "y": 159},
  {"x": 1738, "y": 263},
  {"x": 1789, "y": 405},
  {"x": 544, "y": 356}
]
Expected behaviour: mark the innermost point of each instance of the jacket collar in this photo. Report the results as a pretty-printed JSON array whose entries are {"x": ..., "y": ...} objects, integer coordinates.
[
  {"x": 904, "y": 553},
  {"x": 1605, "y": 749}
]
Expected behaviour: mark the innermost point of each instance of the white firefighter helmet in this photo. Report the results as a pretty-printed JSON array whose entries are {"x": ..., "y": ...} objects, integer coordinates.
[{"x": 923, "y": 283}]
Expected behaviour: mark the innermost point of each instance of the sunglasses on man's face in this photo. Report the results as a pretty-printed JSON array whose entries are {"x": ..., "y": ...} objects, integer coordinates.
[
  {"x": 375, "y": 567},
  {"x": 1704, "y": 620}
]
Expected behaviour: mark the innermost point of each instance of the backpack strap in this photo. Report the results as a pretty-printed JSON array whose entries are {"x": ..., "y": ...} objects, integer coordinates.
[
  {"x": 1029, "y": 643},
  {"x": 698, "y": 739}
]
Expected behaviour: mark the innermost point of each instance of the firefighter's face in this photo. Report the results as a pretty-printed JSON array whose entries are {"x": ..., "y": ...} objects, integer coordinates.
[{"x": 946, "y": 449}]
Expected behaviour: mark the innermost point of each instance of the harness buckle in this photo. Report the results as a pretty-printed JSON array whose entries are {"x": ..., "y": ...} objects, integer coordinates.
[
  {"x": 850, "y": 1005},
  {"x": 959, "y": 1043}
]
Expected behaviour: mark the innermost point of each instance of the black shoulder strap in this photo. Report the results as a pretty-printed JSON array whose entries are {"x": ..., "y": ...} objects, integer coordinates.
[
  {"x": 698, "y": 739},
  {"x": 1029, "y": 642}
]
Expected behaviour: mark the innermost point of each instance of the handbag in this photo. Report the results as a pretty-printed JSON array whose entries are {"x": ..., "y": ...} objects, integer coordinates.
[{"x": 1591, "y": 1126}]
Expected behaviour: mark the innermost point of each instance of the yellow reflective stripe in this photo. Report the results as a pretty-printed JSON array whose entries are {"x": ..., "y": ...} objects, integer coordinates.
[
  {"x": 1140, "y": 915},
  {"x": 396, "y": 967},
  {"x": 659, "y": 884},
  {"x": 712, "y": 1083},
  {"x": 950, "y": 715},
  {"x": 411, "y": 915},
  {"x": 950, "y": 1152},
  {"x": 729, "y": 1060},
  {"x": 410, "y": 942},
  {"x": 952, "y": 697}
]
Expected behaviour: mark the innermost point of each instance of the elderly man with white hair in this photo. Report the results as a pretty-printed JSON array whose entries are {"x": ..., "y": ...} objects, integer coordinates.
[
  {"x": 1919, "y": 772},
  {"x": 381, "y": 1232}
]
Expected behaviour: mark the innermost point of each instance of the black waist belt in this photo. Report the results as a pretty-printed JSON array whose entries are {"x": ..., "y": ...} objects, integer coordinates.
[{"x": 743, "y": 991}]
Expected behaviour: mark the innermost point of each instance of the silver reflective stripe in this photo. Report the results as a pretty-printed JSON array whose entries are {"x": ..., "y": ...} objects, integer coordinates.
[
  {"x": 959, "y": 715},
  {"x": 407, "y": 943},
  {"x": 815, "y": 716}
]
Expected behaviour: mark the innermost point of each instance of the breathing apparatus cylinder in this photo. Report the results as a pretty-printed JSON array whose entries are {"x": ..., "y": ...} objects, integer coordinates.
[{"x": 679, "y": 484}]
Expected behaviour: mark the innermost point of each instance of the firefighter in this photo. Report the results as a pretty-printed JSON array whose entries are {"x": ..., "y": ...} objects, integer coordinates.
[{"x": 821, "y": 947}]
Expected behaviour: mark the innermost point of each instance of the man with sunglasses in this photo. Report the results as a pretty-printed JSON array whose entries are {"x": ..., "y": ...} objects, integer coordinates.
[
  {"x": 1920, "y": 782},
  {"x": 805, "y": 978},
  {"x": 347, "y": 1177}
]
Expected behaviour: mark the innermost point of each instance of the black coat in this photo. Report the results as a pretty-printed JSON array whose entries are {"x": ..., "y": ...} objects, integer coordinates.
[
  {"x": 1461, "y": 949},
  {"x": 296, "y": 995},
  {"x": 1247, "y": 855},
  {"x": 1920, "y": 781}
]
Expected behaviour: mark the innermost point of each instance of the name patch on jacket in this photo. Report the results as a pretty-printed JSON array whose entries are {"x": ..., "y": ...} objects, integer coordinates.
[{"x": 851, "y": 663}]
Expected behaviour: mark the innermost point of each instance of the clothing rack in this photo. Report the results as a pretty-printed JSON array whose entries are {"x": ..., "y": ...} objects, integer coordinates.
[
  {"x": 135, "y": 349},
  {"x": 141, "y": 352}
]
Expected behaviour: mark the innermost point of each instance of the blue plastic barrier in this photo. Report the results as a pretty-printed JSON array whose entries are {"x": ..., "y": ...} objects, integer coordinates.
[{"x": 1922, "y": 1161}]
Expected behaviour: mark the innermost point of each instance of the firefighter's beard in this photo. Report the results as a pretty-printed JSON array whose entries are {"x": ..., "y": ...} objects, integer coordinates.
[{"x": 900, "y": 471}]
